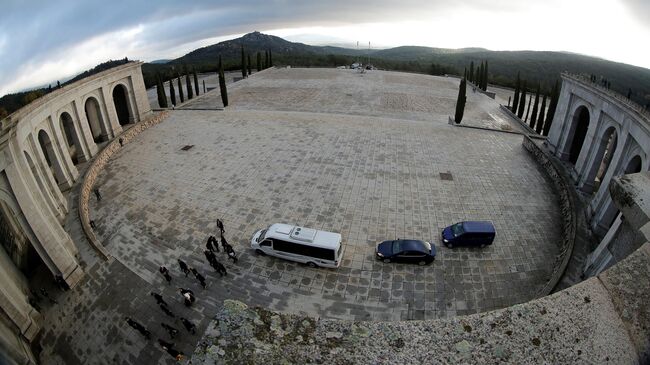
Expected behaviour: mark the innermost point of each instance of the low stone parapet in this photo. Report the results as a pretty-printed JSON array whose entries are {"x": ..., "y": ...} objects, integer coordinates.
[{"x": 98, "y": 164}]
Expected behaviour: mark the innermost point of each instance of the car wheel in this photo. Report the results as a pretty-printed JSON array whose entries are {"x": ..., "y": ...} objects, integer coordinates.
[
  {"x": 260, "y": 252},
  {"x": 387, "y": 261},
  {"x": 312, "y": 265},
  {"x": 422, "y": 263}
]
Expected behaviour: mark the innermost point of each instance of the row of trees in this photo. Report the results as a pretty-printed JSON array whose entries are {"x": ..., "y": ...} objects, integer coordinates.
[
  {"x": 247, "y": 65},
  {"x": 480, "y": 77},
  {"x": 162, "y": 94},
  {"x": 541, "y": 119}
]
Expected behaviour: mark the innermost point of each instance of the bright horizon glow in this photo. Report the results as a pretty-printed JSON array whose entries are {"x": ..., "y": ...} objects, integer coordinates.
[{"x": 606, "y": 29}]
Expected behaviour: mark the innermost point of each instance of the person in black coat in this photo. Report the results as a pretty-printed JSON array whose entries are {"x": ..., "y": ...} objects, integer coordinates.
[
  {"x": 189, "y": 326},
  {"x": 159, "y": 298},
  {"x": 184, "y": 267}
]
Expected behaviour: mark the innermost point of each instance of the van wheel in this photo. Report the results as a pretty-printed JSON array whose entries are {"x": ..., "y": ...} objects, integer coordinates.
[
  {"x": 422, "y": 263},
  {"x": 387, "y": 261},
  {"x": 260, "y": 252},
  {"x": 312, "y": 265}
]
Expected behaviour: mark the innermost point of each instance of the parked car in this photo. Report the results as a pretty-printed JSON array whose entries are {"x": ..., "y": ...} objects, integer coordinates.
[
  {"x": 414, "y": 251},
  {"x": 471, "y": 233}
]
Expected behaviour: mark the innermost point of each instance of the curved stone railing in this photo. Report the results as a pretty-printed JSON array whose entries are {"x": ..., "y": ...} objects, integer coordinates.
[
  {"x": 567, "y": 199},
  {"x": 97, "y": 166}
]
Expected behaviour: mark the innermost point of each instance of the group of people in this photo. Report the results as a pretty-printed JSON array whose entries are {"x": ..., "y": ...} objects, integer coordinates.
[{"x": 212, "y": 246}]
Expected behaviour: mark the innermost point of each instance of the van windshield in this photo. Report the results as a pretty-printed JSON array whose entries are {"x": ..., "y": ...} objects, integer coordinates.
[
  {"x": 457, "y": 229},
  {"x": 261, "y": 237}
]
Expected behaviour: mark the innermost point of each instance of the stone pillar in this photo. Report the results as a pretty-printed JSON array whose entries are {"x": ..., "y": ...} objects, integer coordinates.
[
  {"x": 52, "y": 243},
  {"x": 113, "y": 121},
  {"x": 84, "y": 134},
  {"x": 46, "y": 177},
  {"x": 140, "y": 94},
  {"x": 61, "y": 150},
  {"x": 601, "y": 258}
]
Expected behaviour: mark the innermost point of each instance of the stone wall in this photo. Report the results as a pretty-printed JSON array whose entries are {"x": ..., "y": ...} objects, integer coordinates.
[
  {"x": 97, "y": 166},
  {"x": 566, "y": 197}
]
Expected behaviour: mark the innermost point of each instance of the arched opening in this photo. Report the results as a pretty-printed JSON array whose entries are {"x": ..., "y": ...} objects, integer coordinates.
[
  {"x": 634, "y": 165},
  {"x": 95, "y": 120},
  {"x": 120, "y": 99},
  {"x": 50, "y": 156},
  {"x": 604, "y": 154},
  {"x": 71, "y": 137},
  {"x": 39, "y": 180},
  {"x": 581, "y": 125}
]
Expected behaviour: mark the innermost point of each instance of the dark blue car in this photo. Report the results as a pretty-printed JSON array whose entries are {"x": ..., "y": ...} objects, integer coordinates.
[
  {"x": 410, "y": 251},
  {"x": 471, "y": 233}
]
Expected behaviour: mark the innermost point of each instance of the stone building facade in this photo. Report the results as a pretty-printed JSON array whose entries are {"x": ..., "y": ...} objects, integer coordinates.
[
  {"x": 601, "y": 135},
  {"x": 40, "y": 148}
]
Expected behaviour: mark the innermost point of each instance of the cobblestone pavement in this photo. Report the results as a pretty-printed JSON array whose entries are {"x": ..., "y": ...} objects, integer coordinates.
[{"x": 368, "y": 177}]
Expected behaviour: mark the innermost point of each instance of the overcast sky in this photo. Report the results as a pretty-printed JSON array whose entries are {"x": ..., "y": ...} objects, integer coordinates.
[{"x": 45, "y": 40}]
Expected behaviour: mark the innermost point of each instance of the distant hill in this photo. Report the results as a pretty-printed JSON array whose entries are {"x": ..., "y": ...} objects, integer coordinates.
[{"x": 534, "y": 66}]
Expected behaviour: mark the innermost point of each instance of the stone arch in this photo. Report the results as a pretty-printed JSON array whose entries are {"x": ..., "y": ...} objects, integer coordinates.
[
  {"x": 55, "y": 166},
  {"x": 71, "y": 137},
  {"x": 122, "y": 104},
  {"x": 577, "y": 133},
  {"x": 95, "y": 120},
  {"x": 605, "y": 146}
]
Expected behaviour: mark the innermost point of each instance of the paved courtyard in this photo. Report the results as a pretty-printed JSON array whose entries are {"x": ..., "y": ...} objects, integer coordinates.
[{"x": 294, "y": 147}]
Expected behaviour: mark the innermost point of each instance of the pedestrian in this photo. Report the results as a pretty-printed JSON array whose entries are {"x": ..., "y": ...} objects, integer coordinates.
[
  {"x": 169, "y": 347},
  {"x": 97, "y": 194},
  {"x": 184, "y": 267},
  {"x": 92, "y": 224},
  {"x": 166, "y": 310},
  {"x": 189, "y": 326},
  {"x": 138, "y": 327},
  {"x": 188, "y": 296},
  {"x": 201, "y": 280},
  {"x": 209, "y": 255},
  {"x": 121, "y": 142},
  {"x": 220, "y": 268},
  {"x": 212, "y": 244},
  {"x": 232, "y": 255},
  {"x": 220, "y": 226},
  {"x": 163, "y": 270},
  {"x": 194, "y": 272},
  {"x": 171, "y": 330},
  {"x": 224, "y": 244},
  {"x": 159, "y": 298}
]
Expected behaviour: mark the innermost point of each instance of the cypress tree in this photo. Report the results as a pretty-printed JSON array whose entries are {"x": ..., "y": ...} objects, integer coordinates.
[
  {"x": 555, "y": 96},
  {"x": 180, "y": 88},
  {"x": 533, "y": 118},
  {"x": 270, "y": 59},
  {"x": 259, "y": 62},
  {"x": 522, "y": 101},
  {"x": 172, "y": 92},
  {"x": 160, "y": 90},
  {"x": 485, "y": 77},
  {"x": 196, "y": 81},
  {"x": 471, "y": 71},
  {"x": 515, "y": 99},
  {"x": 222, "y": 85},
  {"x": 460, "y": 103},
  {"x": 243, "y": 63},
  {"x": 530, "y": 100},
  {"x": 540, "y": 118},
  {"x": 250, "y": 71},
  {"x": 188, "y": 84}
]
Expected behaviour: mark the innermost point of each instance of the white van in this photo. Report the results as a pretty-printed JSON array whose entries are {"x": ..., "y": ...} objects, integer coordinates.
[{"x": 308, "y": 246}]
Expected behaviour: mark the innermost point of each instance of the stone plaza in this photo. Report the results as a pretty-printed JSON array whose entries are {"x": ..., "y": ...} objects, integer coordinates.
[{"x": 368, "y": 155}]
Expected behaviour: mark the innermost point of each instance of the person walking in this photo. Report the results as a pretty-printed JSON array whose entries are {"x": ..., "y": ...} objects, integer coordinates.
[
  {"x": 98, "y": 195},
  {"x": 198, "y": 277},
  {"x": 220, "y": 226},
  {"x": 138, "y": 327},
  {"x": 231, "y": 254},
  {"x": 171, "y": 330},
  {"x": 225, "y": 244},
  {"x": 212, "y": 244},
  {"x": 184, "y": 267},
  {"x": 188, "y": 296},
  {"x": 189, "y": 326},
  {"x": 159, "y": 298},
  {"x": 168, "y": 312},
  {"x": 163, "y": 270},
  {"x": 209, "y": 255},
  {"x": 169, "y": 348}
]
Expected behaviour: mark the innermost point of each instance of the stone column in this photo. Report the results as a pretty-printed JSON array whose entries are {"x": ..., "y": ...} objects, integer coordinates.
[
  {"x": 52, "y": 243},
  {"x": 46, "y": 177},
  {"x": 140, "y": 94},
  {"x": 113, "y": 121},
  {"x": 84, "y": 134},
  {"x": 560, "y": 122},
  {"x": 61, "y": 150}
]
